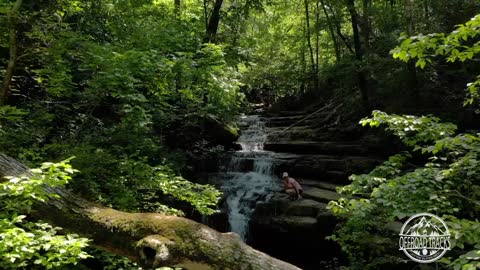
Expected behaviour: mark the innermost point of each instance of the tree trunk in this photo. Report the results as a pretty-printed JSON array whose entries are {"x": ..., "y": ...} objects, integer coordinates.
[
  {"x": 310, "y": 47},
  {"x": 362, "y": 80},
  {"x": 177, "y": 10},
  {"x": 213, "y": 22},
  {"x": 426, "y": 7},
  {"x": 356, "y": 34},
  {"x": 392, "y": 10},
  {"x": 205, "y": 13},
  {"x": 12, "y": 61},
  {"x": 366, "y": 24},
  {"x": 305, "y": 82},
  {"x": 154, "y": 240},
  {"x": 332, "y": 31},
  {"x": 317, "y": 42},
  {"x": 412, "y": 70},
  {"x": 338, "y": 26}
]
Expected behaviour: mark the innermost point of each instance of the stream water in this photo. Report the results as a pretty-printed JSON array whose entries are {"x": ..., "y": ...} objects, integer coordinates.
[{"x": 249, "y": 175}]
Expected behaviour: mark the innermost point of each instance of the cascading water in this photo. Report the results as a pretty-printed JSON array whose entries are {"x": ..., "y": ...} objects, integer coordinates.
[{"x": 249, "y": 177}]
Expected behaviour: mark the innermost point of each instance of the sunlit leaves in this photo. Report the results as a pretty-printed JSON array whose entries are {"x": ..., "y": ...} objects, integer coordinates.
[
  {"x": 473, "y": 91},
  {"x": 411, "y": 129},
  {"x": 423, "y": 47},
  {"x": 202, "y": 197},
  {"x": 35, "y": 245},
  {"x": 31, "y": 245},
  {"x": 459, "y": 45}
]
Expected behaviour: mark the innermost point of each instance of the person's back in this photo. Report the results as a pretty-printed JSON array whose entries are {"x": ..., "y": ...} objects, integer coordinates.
[
  {"x": 295, "y": 183},
  {"x": 291, "y": 186}
]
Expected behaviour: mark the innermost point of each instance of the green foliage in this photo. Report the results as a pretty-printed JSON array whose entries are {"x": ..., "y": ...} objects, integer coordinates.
[
  {"x": 448, "y": 185},
  {"x": 111, "y": 261},
  {"x": 10, "y": 114},
  {"x": 202, "y": 197},
  {"x": 131, "y": 183},
  {"x": 127, "y": 97},
  {"x": 459, "y": 45},
  {"x": 414, "y": 131},
  {"x": 114, "y": 262},
  {"x": 465, "y": 235},
  {"x": 35, "y": 245},
  {"x": 271, "y": 48},
  {"x": 128, "y": 88}
]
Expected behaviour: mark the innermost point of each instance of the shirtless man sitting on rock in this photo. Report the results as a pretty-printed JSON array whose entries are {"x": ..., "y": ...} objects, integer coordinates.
[{"x": 292, "y": 187}]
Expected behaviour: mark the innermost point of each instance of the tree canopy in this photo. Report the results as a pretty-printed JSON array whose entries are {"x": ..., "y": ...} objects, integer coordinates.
[{"x": 141, "y": 97}]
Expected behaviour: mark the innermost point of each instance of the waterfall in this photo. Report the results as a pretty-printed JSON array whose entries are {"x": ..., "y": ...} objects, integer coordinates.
[{"x": 249, "y": 177}]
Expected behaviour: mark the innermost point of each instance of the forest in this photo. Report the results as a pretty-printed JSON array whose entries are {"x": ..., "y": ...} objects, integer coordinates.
[{"x": 153, "y": 134}]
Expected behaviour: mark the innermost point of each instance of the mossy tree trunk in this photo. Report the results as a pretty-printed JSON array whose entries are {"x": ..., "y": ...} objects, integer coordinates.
[{"x": 152, "y": 239}]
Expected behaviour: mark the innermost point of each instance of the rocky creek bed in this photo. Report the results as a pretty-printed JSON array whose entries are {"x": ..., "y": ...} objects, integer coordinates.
[{"x": 318, "y": 157}]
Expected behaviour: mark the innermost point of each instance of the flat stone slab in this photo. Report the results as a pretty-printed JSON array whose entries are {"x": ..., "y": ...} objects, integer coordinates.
[
  {"x": 294, "y": 223},
  {"x": 337, "y": 175},
  {"x": 305, "y": 208},
  {"x": 320, "y": 195},
  {"x": 342, "y": 148},
  {"x": 318, "y": 184},
  {"x": 321, "y": 166}
]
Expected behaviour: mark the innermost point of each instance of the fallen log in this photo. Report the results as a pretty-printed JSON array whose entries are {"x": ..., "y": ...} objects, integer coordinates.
[{"x": 152, "y": 239}]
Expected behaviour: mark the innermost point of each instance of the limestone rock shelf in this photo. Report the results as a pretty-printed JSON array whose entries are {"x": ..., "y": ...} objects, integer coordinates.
[
  {"x": 320, "y": 155},
  {"x": 320, "y": 152},
  {"x": 312, "y": 147}
]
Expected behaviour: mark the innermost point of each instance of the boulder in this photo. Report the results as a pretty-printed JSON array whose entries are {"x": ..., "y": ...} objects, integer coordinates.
[{"x": 219, "y": 133}]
